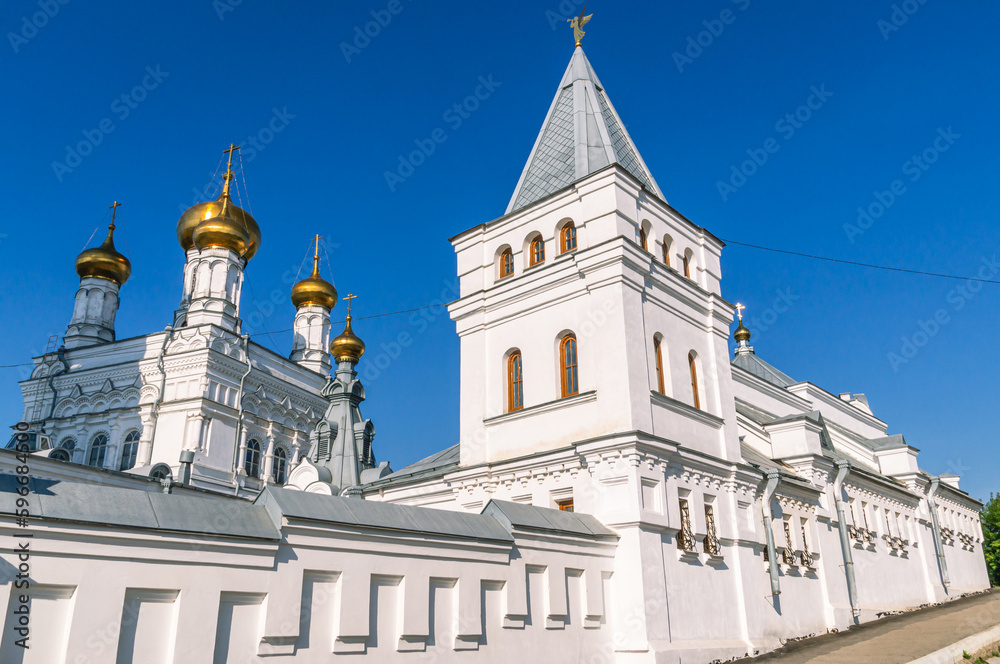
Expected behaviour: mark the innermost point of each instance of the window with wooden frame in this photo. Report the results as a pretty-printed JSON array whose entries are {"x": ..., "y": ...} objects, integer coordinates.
[
  {"x": 515, "y": 382},
  {"x": 565, "y": 505},
  {"x": 666, "y": 250},
  {"x": 687, "y": 263},
  {"x": 567, "y": 238},
  {"x": 537, "y": 251},
  {"x": 568, "y": 365},
  {"x": 658, "y": 353},
  {"x": 506, "y": 263},
  {"x": 693, "y": 365},
  {"x": 643, "y": 239}
]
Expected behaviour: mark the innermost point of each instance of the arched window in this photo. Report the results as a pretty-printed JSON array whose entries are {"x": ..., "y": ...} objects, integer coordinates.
[
  {"x": 569, "y": 375},
  {"x": 280, "y": 465},
  {"x": 59, "y": 454},
  {"x": 160, "y": 472},
  {"x": 642, "y": 239},
  {"x": 506, "y": 263},
  {"x": 130, "y": 450},
  {"x": 537, "y": 251},
  {"x": 667, "y": 245},
  {"x": 251, "y": 462},
  {"x": 515, "y": 382},
  {"x": 68, "y": 444},
  {"x": 658, "y": 352},
  {"x": 688, "y": 257},
  {"x": 693, "y": 366},
  {"x": 567, "y": 238},
  {"x": 98, "y": 450}
]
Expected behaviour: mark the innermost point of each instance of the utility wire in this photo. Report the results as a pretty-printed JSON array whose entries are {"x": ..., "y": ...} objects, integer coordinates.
[
  {"x": 876, "y": 267},
  {"x": 742, "y": 244}
]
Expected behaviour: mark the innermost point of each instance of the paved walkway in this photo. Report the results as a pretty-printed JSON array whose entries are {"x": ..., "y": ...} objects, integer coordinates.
[{"x": 897, "y": 639}]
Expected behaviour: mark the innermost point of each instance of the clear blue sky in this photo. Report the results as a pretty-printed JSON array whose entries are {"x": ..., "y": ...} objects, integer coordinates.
[{"x": 344, "y": 124}]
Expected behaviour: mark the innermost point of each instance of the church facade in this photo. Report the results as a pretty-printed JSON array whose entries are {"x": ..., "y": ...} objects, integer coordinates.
[{"x": 622, "y": 491}]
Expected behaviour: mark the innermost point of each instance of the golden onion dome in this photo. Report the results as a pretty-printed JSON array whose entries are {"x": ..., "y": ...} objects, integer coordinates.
[
  {"x": 741, "y": 333},
  {"x": 104, "y": 262},
  {"x": 196, "y": 214},
  {"x": 314, "y": 290},
  {"x": 347, "y": 347},
  {"x": 222, "y": 231}
]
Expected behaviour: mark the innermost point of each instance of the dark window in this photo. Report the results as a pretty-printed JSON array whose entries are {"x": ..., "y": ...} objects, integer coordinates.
[{"x": 251, "y": 462}]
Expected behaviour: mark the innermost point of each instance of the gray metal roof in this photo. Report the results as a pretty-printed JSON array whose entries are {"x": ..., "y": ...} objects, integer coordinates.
[
  {"x": 131, "y": 508},
  {"x": 758, "y": 367},
  {"x": 436, "y": 464},
  {"x": 372, "y": 514},
  {"x": 529, "y": 517},
  {"x": 582, "y": 134}
]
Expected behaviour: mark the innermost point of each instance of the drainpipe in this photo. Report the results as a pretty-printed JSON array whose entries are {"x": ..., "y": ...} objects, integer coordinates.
[
  {"x": 167, "y": 334},
  {"x": 843, "y": 467},
  {"x": 773, "y": 477},
  {"x": 245, "y": 339},
  {"x": 938, "y": 545},
  {"x": 62, "y": 358}
]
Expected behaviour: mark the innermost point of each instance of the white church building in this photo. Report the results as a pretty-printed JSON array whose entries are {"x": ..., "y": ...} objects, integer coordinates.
[{"x": 622, "y": 491}]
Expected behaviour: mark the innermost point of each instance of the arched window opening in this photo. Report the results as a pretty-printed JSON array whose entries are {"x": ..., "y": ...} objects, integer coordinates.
[
  {"x": 667, "y": 242},
  {"x": 568, "y": 365},
  {"x": 537, "y": 251},
  {"x": 130, "y": 451},
  {"x": 160, "y": 472},
  {"x": 68, "y": 444},
  {"x": 98, "y": 450},
  {"x": 688, "y": 259},
  {"x": 59, "y": 454},
  {"x": 693, "y": 366},
  {"x": 515, "y": 382},
  {"x": 506, "y": 263},
  {"x": 567, "y": 238},
  {"x": 658, "y": 352},
  {"x": 251, "y": 461},
  {"x": 643, "y": 239},
  {"x": 279, "y": 467}
]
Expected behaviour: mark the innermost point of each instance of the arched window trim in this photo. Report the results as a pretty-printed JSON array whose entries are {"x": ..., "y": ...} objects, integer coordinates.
[
  {"x": 569, "y": 366},
  {"x": 506, "y": 263},
  {"x": 98, "y": 452},
  {"x": 643, "y": 239},
  {"x": 515, "y": 382},
  {"x": 130, "y": 450},
  {"x": 536, "y": 251},
  {"x": 688, "y": 255},
  {"x": 567, "y": 238},
  {"x": 658, "y": 355},
  {"x": 279, "y": 465},
  {"x": 666, "y": 249},
  {"x": 693, "y": 367},
  {"x": 251, "y": 459}
]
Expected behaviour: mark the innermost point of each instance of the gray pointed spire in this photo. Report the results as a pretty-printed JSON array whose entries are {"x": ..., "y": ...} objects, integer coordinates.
[{"x": 582, "y": 134}]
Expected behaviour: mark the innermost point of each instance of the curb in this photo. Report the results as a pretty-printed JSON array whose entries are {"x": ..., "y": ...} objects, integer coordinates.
[{"x": 971, "y": 644}]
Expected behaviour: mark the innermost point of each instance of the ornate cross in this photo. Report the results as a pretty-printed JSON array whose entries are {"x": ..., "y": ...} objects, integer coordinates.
[
  {"x": 114, "y": 210},
  {"x": 350, "y": 296},
  {"x": 739, "y": 311}
]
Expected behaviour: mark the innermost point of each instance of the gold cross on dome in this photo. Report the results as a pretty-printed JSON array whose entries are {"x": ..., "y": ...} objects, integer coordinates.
[
  {"x": 114, "y": 211},
  {"x": 350, "y": 296},
  {"x": 317, "y": 239},
  {"x": 739, "y": 311},
  {"x": 231, "y": 149}
]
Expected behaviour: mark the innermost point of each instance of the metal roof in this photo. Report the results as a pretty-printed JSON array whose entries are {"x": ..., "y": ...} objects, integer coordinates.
[
  {"x": 582, "y": 134},
  {"x": 763, "y": 370}
]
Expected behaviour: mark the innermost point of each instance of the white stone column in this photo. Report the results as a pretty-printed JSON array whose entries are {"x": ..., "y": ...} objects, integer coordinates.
[
  {"x": 94, "y": 311},
  {"x": 311, "y": 340},
  {"x": 268, "y": 460},
  {"x": 146, "y": 437}
]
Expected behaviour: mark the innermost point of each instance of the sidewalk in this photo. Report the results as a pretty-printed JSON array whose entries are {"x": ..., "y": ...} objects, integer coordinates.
[{"x": 896, "y": 639}]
